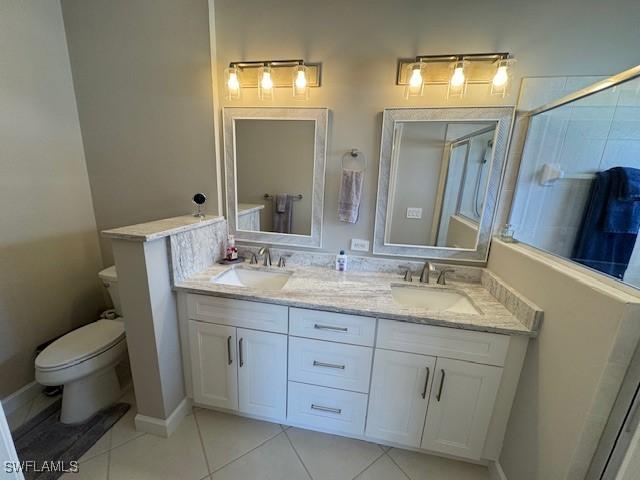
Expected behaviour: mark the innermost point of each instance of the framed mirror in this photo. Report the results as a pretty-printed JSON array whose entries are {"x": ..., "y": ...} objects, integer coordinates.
[
  {"x": 440, "y": 172},
  {"x": 274, "y": 166}
]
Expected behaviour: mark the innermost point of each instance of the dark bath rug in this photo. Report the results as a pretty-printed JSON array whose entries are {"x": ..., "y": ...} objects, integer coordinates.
[{"x": 49, "y": 445}]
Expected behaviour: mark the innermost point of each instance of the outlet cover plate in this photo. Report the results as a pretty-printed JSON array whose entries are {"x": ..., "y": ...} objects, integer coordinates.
[
  {"x": 414, "y": 212},
  {"x": 359, "y": 245}
]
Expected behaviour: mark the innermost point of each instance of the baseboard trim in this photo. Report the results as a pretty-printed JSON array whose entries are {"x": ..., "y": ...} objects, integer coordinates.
[
  {"x": 163, "y": 427},
  {"x": 496, "y": 472},
  {"x": 20, "y": 397}
]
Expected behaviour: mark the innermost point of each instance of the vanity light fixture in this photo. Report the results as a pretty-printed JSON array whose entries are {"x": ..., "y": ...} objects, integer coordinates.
[
  {"x": 232, "y": 83},
  {"x": 268, "y": 75},
  {"x": 265, "y": 87},
  {"x": 415, "y": 85},
  {"x": 455, "y": 72}
]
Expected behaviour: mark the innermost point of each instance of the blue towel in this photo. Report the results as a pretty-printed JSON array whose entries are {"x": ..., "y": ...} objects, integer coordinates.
[
  {"x": 623, "y": 206},
  {"x": 596, "y": 246}
]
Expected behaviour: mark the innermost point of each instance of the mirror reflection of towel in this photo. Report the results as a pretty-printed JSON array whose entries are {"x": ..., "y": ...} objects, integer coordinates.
[
  {"x": 282, "y": 213},
  {"x": 350, "y": 195}
]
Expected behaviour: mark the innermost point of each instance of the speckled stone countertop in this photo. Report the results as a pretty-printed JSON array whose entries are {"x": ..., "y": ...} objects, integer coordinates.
[
  {"x": 361, "y": 293},
  {"x": 145, "y": 232}
]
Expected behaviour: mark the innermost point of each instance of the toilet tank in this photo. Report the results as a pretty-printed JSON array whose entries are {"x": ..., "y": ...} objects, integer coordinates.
[{"x": 109, "y": 279}]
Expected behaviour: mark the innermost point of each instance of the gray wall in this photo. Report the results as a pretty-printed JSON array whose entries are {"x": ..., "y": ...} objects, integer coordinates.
[
  {"x": 49, "y": 254},
  {"x": 276, "y": 156},
  {"x": 142, "y": 79},
  {"x": 360, "y": 41}
]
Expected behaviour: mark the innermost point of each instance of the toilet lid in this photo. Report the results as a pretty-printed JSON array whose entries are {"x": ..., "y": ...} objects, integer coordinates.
[{"x": 83, "y": 343}]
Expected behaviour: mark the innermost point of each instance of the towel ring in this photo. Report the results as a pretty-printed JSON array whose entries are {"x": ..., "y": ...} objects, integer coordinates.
[{"x": 356, "y": 155}]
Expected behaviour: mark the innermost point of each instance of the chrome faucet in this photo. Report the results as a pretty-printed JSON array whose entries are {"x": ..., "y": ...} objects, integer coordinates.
[
  {"x": 408, "y": 275},
  {"x": 427, "y": 270},
  {"x": 267, "y": 256},
  {"x": 442, "y": 278}
]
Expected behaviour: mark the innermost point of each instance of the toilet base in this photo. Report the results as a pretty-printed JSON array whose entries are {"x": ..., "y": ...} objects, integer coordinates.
[{"x": 83, "y": 398}]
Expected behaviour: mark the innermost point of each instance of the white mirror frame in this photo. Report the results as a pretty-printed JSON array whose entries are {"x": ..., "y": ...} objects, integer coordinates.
[
  {"x": 320, "y": 117},
  {"x": 503, "y": 116}
]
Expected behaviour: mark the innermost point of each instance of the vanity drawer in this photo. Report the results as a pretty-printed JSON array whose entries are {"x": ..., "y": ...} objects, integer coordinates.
[
  {"x": 336, "y": 327},
  {"x": 479, "y": 347},
  {"x": 239, "y": 313},
  {"x": 330, "y": 364},
  {"x": 326, "y": 409}
]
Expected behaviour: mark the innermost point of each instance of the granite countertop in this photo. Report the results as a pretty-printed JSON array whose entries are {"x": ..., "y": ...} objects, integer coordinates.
[
  {"x": 362, "y": 293},
  {"x": 145, "y": 232},
  {"x": 245, "y": 208}
]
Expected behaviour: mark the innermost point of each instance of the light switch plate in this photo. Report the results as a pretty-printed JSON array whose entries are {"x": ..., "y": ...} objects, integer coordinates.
[
  {"x": 414, "y": 212},
  {"x": 359, "y": 245}
]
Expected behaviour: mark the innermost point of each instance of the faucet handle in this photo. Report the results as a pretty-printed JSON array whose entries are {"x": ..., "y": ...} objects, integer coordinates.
[
  {"x": 254, "y": 258},
  {"x": 406, "y": 272},
  {"x": 282, "y": 261},
  {"x": 442, "y": 277}
]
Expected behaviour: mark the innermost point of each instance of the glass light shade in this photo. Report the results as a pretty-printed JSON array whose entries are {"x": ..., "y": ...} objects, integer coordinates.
[
  {"x": 300, "y": 82},
  {"x": 415, "y": 84},
  {"x": 458, "y": 81},
  {"x": 232, "y": 83},
  {"x": 502, "y": 79},
  {"x": 265, "y": 84}
]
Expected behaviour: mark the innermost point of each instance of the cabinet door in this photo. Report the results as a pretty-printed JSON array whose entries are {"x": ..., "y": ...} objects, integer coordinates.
[
  {"x": 462, "y": 400},
  {"x": 399, "y": 395},
  {"x": 213, "y": 364},
  {"x": 262, "y": 373}
]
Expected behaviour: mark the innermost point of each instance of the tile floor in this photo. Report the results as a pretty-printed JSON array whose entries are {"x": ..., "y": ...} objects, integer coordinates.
[{"x": 214, "y": 446}]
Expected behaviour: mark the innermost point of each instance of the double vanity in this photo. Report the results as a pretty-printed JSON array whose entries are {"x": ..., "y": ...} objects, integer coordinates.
[{"x": 360, "y": 354}]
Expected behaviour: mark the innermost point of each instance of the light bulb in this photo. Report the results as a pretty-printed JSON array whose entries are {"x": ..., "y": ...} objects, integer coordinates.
[
  {"x": 501, "y": 77},
  {"x": 416, "y": 77},
  {"x": 266, "y": 83},
  {"x": 301, "y": 79},
  {"x": 457, "y": 79},
  {"x": 233, "y": 83}
]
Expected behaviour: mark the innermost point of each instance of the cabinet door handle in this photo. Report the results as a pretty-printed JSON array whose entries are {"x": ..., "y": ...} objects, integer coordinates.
[
  {"x": 439, "y": 395},
  {"x": 426, "y": 382},
  {"x": 230, "y": 360},
  {"x": 326, "y": 409},
  {"x": 240, "y": 352},
  {"x": 328, "y": 365},
  {"x": 317, "y": 326}
]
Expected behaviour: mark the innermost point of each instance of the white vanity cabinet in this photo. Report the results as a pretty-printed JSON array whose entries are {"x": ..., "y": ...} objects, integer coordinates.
[
  {"x": 238, "y": 368},
  {"x": 431, "y": 388}
]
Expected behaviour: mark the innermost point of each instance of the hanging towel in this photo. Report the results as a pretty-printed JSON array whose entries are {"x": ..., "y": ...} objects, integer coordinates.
[
  {"x": 596, "y": 247},
  {"x": 282, "y": 213},
  {"x": 623, "y": 206},
  {"x": 350, "y": 195}
]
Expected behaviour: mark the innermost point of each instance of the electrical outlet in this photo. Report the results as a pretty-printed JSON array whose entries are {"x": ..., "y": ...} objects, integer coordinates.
[
  {"x": 359, "y": 245},
  {"x": 414, "y": 212}
]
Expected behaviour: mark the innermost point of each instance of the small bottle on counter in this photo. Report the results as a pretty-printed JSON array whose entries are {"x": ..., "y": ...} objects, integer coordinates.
[
  {"x": 341, "y": 262},
  {"x": 232, "y": 250}
]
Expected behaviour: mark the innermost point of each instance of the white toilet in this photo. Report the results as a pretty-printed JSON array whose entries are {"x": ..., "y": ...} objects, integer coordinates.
[{"x": 84, "y": 362}]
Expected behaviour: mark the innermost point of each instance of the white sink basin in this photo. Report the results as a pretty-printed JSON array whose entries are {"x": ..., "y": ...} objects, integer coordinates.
[
  {"x": 244, "y": 277},
  {"x": 437, "y": 299}
]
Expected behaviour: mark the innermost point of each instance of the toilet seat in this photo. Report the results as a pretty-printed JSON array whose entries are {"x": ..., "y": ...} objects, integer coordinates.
[{"x": 80, "y": 345}]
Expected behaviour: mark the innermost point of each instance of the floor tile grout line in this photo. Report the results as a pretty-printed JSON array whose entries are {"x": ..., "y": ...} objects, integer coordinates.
[
  {"x": 246, "y": 453},
  {"x": 204, "y": 450},
  {"x": 109, "y": 462},
  {"x": 396, "y": 464},
  {"x": 298, "y": 455},
  {"x": 142, "y": 434},
  {"x": 370, "y": 465}
]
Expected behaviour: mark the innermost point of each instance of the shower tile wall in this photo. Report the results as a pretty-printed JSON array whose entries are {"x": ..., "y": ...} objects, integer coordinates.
[{"x": 591, "y": 135}]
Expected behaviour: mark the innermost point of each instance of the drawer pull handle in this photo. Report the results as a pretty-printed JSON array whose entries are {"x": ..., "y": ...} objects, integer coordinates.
[
  {"x": 328, "y": 365},
  {"x": 240, "y": 352},
  {"x": 326, "y": 409},
  {"x": 230, "y": 360},
  {"x": 426, "y": 382},
  {"x": 439, "y": 396},
  {"x": 317, "y": 326}
]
